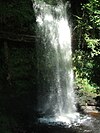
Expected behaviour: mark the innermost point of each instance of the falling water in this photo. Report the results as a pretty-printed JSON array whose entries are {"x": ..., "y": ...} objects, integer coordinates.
[{"x": 58, "y": 98}]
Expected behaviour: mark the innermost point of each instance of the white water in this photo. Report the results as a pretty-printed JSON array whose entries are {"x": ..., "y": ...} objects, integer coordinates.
[{"x": 55, "y": 31}]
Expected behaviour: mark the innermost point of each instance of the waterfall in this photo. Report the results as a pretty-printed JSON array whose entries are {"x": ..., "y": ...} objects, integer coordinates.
[{"x": 54, "y": 61}]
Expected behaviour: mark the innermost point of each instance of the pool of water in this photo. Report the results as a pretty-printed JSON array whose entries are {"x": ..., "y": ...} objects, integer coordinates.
[{"x": 86, "y": 124}]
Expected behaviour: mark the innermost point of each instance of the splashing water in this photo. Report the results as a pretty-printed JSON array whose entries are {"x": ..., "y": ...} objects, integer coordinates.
[{"x": 58, "y": 101}]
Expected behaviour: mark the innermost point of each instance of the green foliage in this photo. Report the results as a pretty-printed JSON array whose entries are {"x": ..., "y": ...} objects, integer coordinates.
[
  {"x": 93, "y": 44},
  {"x": 89, "y": 23},
  {"x": 85, "y": 85},
  {"x": 88, "y": 47},
  {"x": 83, "y": 64},
  {"x": 92, "y": 9}
]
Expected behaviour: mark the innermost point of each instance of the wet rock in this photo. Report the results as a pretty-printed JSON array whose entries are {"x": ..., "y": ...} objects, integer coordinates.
[{"x": 97, "y": 99}]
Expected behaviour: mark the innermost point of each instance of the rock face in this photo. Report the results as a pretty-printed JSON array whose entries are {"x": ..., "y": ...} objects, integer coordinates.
[
  {"x": 88, "y": 109},
  {"x": 18, "y": 87},
  {"x": 18, "y": 79},
  {"x": 89, "y": 104},
  {"x": 97, "y": 99},
  {"x": 17, "y": 16}
]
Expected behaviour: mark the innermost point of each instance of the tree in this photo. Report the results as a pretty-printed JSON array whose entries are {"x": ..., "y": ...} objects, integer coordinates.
[{"x": 88, "y": 47}]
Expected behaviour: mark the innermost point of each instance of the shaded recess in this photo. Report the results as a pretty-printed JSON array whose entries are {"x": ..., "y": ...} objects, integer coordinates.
[{"x": 18, "y": 70}]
